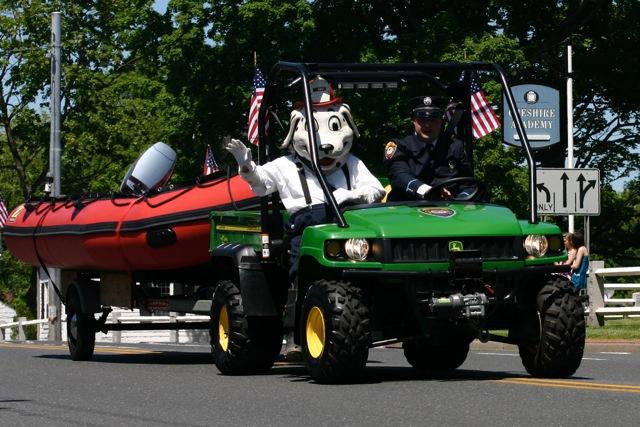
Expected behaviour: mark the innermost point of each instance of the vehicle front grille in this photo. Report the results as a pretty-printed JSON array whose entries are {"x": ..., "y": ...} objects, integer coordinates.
[{"x": 437, "y": 249}]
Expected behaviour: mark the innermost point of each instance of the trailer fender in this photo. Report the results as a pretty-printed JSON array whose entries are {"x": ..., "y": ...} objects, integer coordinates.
[
  {"x": 257, "y": 298},
  {"x": 89, "y": 294}
]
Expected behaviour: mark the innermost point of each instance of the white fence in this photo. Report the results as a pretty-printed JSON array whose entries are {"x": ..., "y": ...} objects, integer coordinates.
[
  {"x": 198, "y": 336},
  {"x": 602, "y": 303}
]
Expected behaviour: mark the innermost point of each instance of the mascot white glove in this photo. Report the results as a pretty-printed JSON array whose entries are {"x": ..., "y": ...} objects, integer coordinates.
[
  {"x": 361, "y": 195},
  {"x": 370, "y": 194},
  {"x": 241, "y": 153},
  {"x": 343, "y": 195}
]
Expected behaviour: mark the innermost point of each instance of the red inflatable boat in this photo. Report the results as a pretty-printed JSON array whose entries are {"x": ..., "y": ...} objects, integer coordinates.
[{"x": 165, "y": 230}]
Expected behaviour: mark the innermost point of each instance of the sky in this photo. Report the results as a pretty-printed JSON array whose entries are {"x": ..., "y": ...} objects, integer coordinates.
[{"x": 160, "y": 5}]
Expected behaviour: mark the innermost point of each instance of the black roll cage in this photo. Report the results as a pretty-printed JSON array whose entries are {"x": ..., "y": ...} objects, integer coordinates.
[{"x": 379, "y": 72}]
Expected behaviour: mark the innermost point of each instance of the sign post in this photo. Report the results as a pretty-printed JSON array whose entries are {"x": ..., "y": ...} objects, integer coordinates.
[{"x": 570, "y": 123}]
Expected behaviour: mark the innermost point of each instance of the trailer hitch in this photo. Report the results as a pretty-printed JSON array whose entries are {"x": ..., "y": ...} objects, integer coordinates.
[{"x": 102, "y": 320}]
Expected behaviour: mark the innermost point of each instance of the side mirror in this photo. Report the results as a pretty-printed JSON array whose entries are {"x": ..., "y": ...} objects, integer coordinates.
[{"x": 151, "y": 170}]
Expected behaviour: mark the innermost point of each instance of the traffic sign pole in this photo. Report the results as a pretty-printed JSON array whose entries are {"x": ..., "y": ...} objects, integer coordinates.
[{"x": 570, "y": 122}]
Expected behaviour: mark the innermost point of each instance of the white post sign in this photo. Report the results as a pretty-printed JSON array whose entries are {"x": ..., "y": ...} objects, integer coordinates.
[{"x": 568, "y": 191}]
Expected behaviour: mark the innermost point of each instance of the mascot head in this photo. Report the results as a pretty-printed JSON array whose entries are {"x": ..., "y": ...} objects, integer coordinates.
[{"x": 333, "y": 125}]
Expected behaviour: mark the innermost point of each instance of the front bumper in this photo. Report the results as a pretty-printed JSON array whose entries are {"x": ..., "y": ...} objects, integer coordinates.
[{"x": 429, "y": 274}]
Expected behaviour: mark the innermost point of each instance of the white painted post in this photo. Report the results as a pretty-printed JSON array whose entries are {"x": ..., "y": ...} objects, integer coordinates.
[
  {"x": 21, "y": 335},
  {"x": 173, "y": 335},
  {"x": 570, "y": 122},
  {"x": 116, "y": 336},
  {"x": 636, "y": 299},
  {"x": 1, "y": 334},
  {"x": 595, "y": 290}
]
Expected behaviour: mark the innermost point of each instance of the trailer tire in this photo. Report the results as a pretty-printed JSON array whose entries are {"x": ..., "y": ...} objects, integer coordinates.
[
  {"x": 335, "y": 331},
  {"x": 81, "y": 333},
  {"x": 557, "y": 350},
  {"x": 428, "y": 358},
  {"x": 241, "y": 344}
]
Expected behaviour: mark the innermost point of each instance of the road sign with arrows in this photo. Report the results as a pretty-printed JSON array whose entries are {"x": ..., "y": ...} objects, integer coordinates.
[{"x": 568, "y": 191}]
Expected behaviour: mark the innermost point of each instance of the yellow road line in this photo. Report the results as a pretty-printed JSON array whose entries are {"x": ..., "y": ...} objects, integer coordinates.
[
  {"x": 579, "y": 385},
  {"x": 99, "y": 349}
]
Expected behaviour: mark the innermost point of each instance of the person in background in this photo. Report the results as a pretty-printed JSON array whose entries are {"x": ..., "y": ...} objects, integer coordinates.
[
  {"x": 571, "y": 252},
  {"x": 578, "y": 259}
]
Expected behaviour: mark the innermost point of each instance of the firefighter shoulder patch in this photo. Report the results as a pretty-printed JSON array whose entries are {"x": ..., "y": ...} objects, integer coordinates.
[{"x": 390, "y": 150}]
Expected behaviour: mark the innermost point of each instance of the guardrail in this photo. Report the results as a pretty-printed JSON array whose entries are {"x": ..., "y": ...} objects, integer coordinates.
[
  {"x": 601, "y": 303},
  {"x": 20, "y": 324},
  {"x": 5, "y": 328}
]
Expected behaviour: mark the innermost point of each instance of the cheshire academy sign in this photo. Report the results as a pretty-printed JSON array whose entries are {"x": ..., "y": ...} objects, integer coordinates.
[{"x": 539, "y": 109}]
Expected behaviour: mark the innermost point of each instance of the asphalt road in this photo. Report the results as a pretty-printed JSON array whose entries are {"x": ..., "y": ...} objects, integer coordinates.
[{"x": 178, "y": 386}]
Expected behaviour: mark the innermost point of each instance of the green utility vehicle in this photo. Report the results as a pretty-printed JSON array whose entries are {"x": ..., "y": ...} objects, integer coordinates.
[{"x": 432, "y": 275}]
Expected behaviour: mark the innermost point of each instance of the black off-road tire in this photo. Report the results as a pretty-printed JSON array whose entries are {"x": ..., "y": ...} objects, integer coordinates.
[
  {"x": 428, "y": 358},
  {"x": 342, "y": 353},
  {"x": 81, "y": 332},
  {"x": 252, "y": 343},
  {"x": 557, "y": 350}
]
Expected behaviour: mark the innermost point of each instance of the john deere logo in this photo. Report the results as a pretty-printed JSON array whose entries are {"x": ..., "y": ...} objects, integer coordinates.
[
  {"x": 441, "y": 212},
  {"x": 455, "y": 246}
]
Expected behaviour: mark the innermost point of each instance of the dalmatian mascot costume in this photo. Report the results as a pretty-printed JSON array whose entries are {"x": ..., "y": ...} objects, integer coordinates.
[
  {"x": 299, "y": 189},
  {"x": 292, "y": 177}
]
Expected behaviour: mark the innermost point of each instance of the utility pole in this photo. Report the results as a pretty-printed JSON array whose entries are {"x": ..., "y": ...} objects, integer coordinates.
[
  {"x": 570, "y": 121},
  {"x": 55, "y": 305}
]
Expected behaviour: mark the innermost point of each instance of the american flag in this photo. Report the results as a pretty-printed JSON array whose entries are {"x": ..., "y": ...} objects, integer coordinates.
[
  {"x": 256, "y": 99},
  {"x": 210, "y": 166},
  {"x": 484, "y": 119},
  {"x": 3, "y": 213}
]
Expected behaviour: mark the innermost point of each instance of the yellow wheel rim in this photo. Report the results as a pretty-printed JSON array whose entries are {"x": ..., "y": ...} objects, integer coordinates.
[
  {"x": 315, "y": 332},
  {"x": 223, "y": 328}
]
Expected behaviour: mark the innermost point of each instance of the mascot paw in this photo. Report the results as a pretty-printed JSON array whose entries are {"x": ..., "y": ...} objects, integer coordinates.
[
  {"x": 342, "y": 195},
  {"x": 370, "y": 194},
  {"x": 239, "y": 151}
]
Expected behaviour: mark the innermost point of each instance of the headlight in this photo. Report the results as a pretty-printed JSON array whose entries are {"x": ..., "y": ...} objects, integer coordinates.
[
  {"x": 536, "y": 245},
  {"x": 356, "y": 249}
]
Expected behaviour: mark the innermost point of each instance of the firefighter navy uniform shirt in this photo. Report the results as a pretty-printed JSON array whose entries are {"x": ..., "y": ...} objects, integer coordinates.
[{"x": 411, "y": 161}]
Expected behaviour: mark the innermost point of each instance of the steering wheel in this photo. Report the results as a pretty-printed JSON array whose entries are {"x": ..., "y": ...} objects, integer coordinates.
[{"x": 476, "y": 191}]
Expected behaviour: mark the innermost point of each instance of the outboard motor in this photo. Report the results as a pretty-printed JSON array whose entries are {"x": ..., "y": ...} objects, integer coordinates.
[{"x": 151, "y": 170}]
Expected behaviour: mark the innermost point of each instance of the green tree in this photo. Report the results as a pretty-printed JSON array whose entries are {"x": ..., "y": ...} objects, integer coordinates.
[{"x": 23, "y": 65}]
